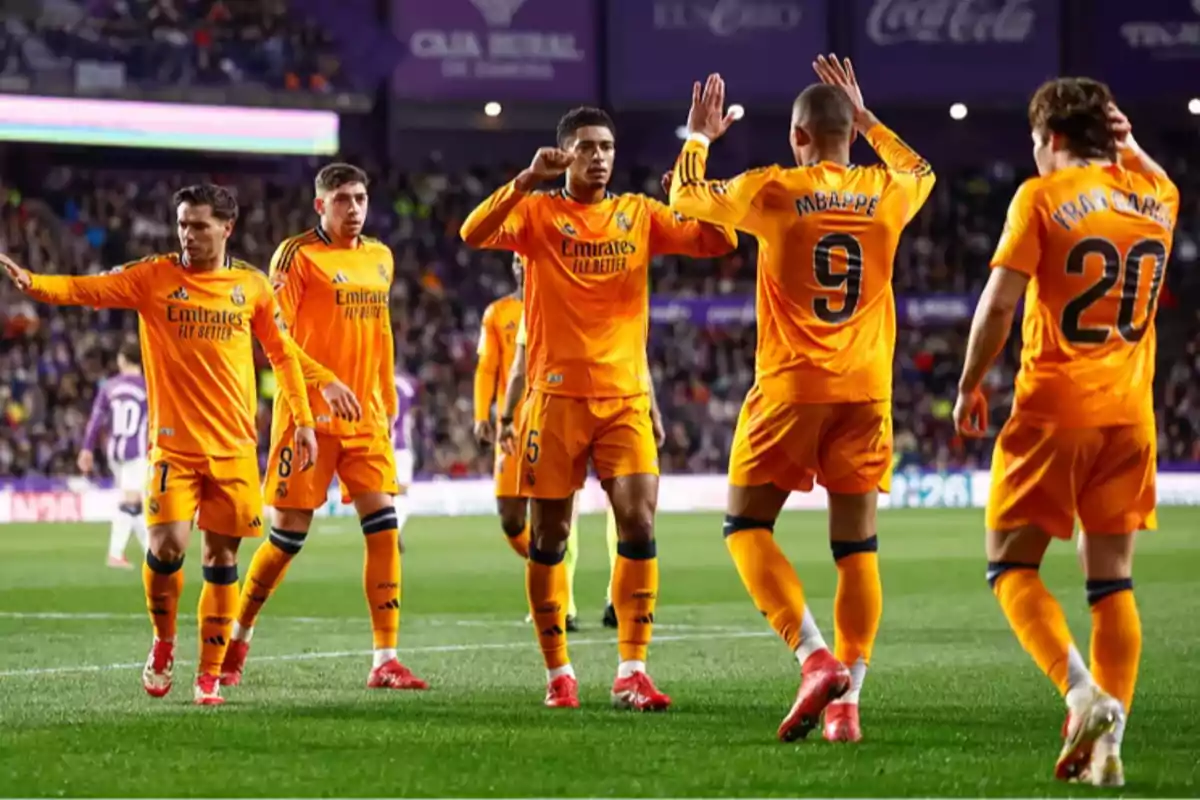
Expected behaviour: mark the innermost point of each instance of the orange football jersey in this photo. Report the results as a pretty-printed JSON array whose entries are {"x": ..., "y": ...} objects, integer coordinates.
[
  {"x": 195, "y": 329},
  {"x": 587, "y": 282},
  {"x": 1094, "y": 241},
  {"x": 497, "y": 349},
  {"x": 827, "y": 237},
  {"x": 336, "y": 304}
]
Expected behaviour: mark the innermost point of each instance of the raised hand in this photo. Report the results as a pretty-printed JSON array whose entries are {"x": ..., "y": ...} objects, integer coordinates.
[
  {"x": 550, "y": 162},
  {"x": 1120, "y": 126},
  {"x": 840, "y": 74},
  {"x": 16, "y": 273},
  {"x": 707, "y": 115}
]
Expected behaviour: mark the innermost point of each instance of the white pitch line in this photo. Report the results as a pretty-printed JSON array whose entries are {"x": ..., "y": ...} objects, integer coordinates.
[{"x": 441, "y": 648}]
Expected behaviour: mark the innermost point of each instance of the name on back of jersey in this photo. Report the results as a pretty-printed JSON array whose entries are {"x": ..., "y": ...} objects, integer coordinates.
[
  {"x": 1072, "y": 212},
  {"x": 853, "y": 202}
]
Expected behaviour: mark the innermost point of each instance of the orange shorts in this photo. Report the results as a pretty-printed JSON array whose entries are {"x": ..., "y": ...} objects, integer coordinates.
[
  {"x": 845, "y": 447},
  {"x": 363, "y": 465},
  {"x": 507, "y": 473},
  {"x": 557, "y": 434},
  {"x": 1048, "y": 476},
  {"x": 224, "y": 490}
]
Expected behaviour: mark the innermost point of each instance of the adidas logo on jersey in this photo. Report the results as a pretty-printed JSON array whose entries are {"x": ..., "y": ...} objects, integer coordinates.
[
  {"x": 340, "y": 277},
  {"x": 178, "y": 294}
]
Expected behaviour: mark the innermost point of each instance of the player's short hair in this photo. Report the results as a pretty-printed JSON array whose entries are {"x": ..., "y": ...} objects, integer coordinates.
[
  {"x": 824, "y": 111},
  {"x": 335, "y": 176},
  {"x": 583, "y": 117},
  {"x": 1077, "y": 109},
  {"x": 131, "y": 352},
  {"x": 222, "y": 202}
]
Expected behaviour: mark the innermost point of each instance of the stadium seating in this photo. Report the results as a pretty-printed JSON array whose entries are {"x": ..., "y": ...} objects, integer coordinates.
[{"x": 83, "y": 220}]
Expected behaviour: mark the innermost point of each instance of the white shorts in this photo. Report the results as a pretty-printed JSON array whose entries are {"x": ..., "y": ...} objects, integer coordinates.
[
  {"x": 404, "y": 467},
  {"x": 131, "y": 475}
]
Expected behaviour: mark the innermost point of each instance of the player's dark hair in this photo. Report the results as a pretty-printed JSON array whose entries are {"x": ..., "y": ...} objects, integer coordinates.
[
  {"x": 824, "y": 111},
  {"x": 583, "y": 117},
  {"x": 1076, "y": 109},
  {"x": 335, "y": 176},
  {"x": 131, "y": 352},
  {"x": 222, "y": 202}
]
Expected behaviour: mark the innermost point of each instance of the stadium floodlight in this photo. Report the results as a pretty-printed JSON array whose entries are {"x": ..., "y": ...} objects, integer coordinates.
[
  {"x": 1194, "y": 106},
  {"x": 737, "y": 110},
  {"x": 681, "y": 132},
  {"x": 493, "y": 109},
  {"x": 958, "y": 111}
]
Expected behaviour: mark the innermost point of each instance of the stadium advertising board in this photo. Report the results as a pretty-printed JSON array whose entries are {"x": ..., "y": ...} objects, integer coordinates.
[
  {"x": 763, "y": 48},
  {"x": 915, "y": 488},
  {"x": 522, "y": 50},
  {"x": 954, "y": 50},
  {"x": 1150, "y": 48},
  {"x": 932, "y": 309},
  {"x": 174, "y": 126}
]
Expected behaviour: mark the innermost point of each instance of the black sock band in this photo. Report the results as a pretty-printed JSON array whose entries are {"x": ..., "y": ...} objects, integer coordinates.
[
  {"x": 734, "y": 524},
  {"x": 1098, "y": 590},
  {"x": 542, "y": 557},
  {"x": 997, "y": 568},
  {"x": 222, "y": 576},
  {"x": 843, "y": 549},
  {"x": 384, "y": 519},
  {"x": 163, "y": 567}
]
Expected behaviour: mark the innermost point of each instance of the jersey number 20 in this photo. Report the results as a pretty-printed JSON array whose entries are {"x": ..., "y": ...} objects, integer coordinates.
[{"x": 1073, "y": 329}]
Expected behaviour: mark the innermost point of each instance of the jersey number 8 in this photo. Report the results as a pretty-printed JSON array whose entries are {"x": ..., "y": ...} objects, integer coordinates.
[{"x": 1073, "y": 328}]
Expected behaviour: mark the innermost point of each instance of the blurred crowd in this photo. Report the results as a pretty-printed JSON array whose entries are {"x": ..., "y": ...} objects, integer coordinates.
[
  {"x": 82, "y": 221},
  {"x": 174, "y": 43}
]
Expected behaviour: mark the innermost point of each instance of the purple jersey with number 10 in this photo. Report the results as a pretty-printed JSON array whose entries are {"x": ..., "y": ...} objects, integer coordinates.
[
  {"x": 120, "y": 412},
  {"x": 406, "y": 399}
]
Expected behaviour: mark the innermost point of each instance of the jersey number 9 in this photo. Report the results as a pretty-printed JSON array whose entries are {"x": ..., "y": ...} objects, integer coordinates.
[{"x": 849, "y": 281}]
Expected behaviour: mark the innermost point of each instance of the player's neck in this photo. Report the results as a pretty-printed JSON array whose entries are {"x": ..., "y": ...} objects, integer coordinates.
[
  {"x": 519, "y": 294},
  {"x": 335, "y": 240},
  {"x": 208, "y": 265},
  {"x": 586, "y": 194},
  {"x": 832, "y": 155}
]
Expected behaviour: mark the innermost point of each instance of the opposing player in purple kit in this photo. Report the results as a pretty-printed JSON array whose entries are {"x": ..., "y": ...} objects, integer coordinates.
[
  {"x": 120, "y": 413},
  {"x": 402, "y": 442}
]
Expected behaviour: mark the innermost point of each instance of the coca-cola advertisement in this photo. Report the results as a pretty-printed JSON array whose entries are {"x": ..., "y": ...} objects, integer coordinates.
[
  {"x": 1148, "y": 47},
  {"x": 955, "y": 50}
]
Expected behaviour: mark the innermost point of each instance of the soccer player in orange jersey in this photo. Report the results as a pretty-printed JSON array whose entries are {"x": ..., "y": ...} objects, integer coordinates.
[
  {"x": 1086, "y": 244},
  {"x": 197, "y": 311},
  {"x": 333, "y": 287},
  {"x": 587, "y": 254},
  {"x": 501, "y": 347},
  {"x": 820, "y": 408}
]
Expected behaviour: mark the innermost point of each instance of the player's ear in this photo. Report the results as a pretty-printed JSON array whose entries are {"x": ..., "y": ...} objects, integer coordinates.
[
  {"x": 1058, "y": 142},
  {"x": 800, "y": 137}
]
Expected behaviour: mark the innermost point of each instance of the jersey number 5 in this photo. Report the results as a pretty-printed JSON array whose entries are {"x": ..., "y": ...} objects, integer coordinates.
[
  {"x": 849, "y": 281},
  {"x": 1073, "y": 328}
]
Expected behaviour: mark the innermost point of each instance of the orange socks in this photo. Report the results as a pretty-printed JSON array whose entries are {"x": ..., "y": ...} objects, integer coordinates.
[
  {"x": 519, "y": 541},
  {"x": 267, "y": 570},
  {"x": 218, "y": 601},
  {"x": 1036, "y": 618},
  {"x": 857, "y": 606},
  {"x": 634, "y": 597},
  {"x": 546, "y": 587},
  {"x": 381, "y": 576},
  {"x": 163, "y": 582},
  {"x": 1116, "y": 638},
  {"x": 768, "y": 576}
]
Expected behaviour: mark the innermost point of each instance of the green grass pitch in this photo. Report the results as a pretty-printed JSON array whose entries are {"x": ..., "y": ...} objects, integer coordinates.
[{"x": 952, "y": 706}]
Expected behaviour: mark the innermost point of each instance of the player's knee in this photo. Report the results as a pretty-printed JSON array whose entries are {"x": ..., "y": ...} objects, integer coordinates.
[
  {"x": 293, "y": 519},
  {"x": 636, "y": 526},
  {"x": 512, "y": 524},
  {"x": 997, "y": 569}
]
